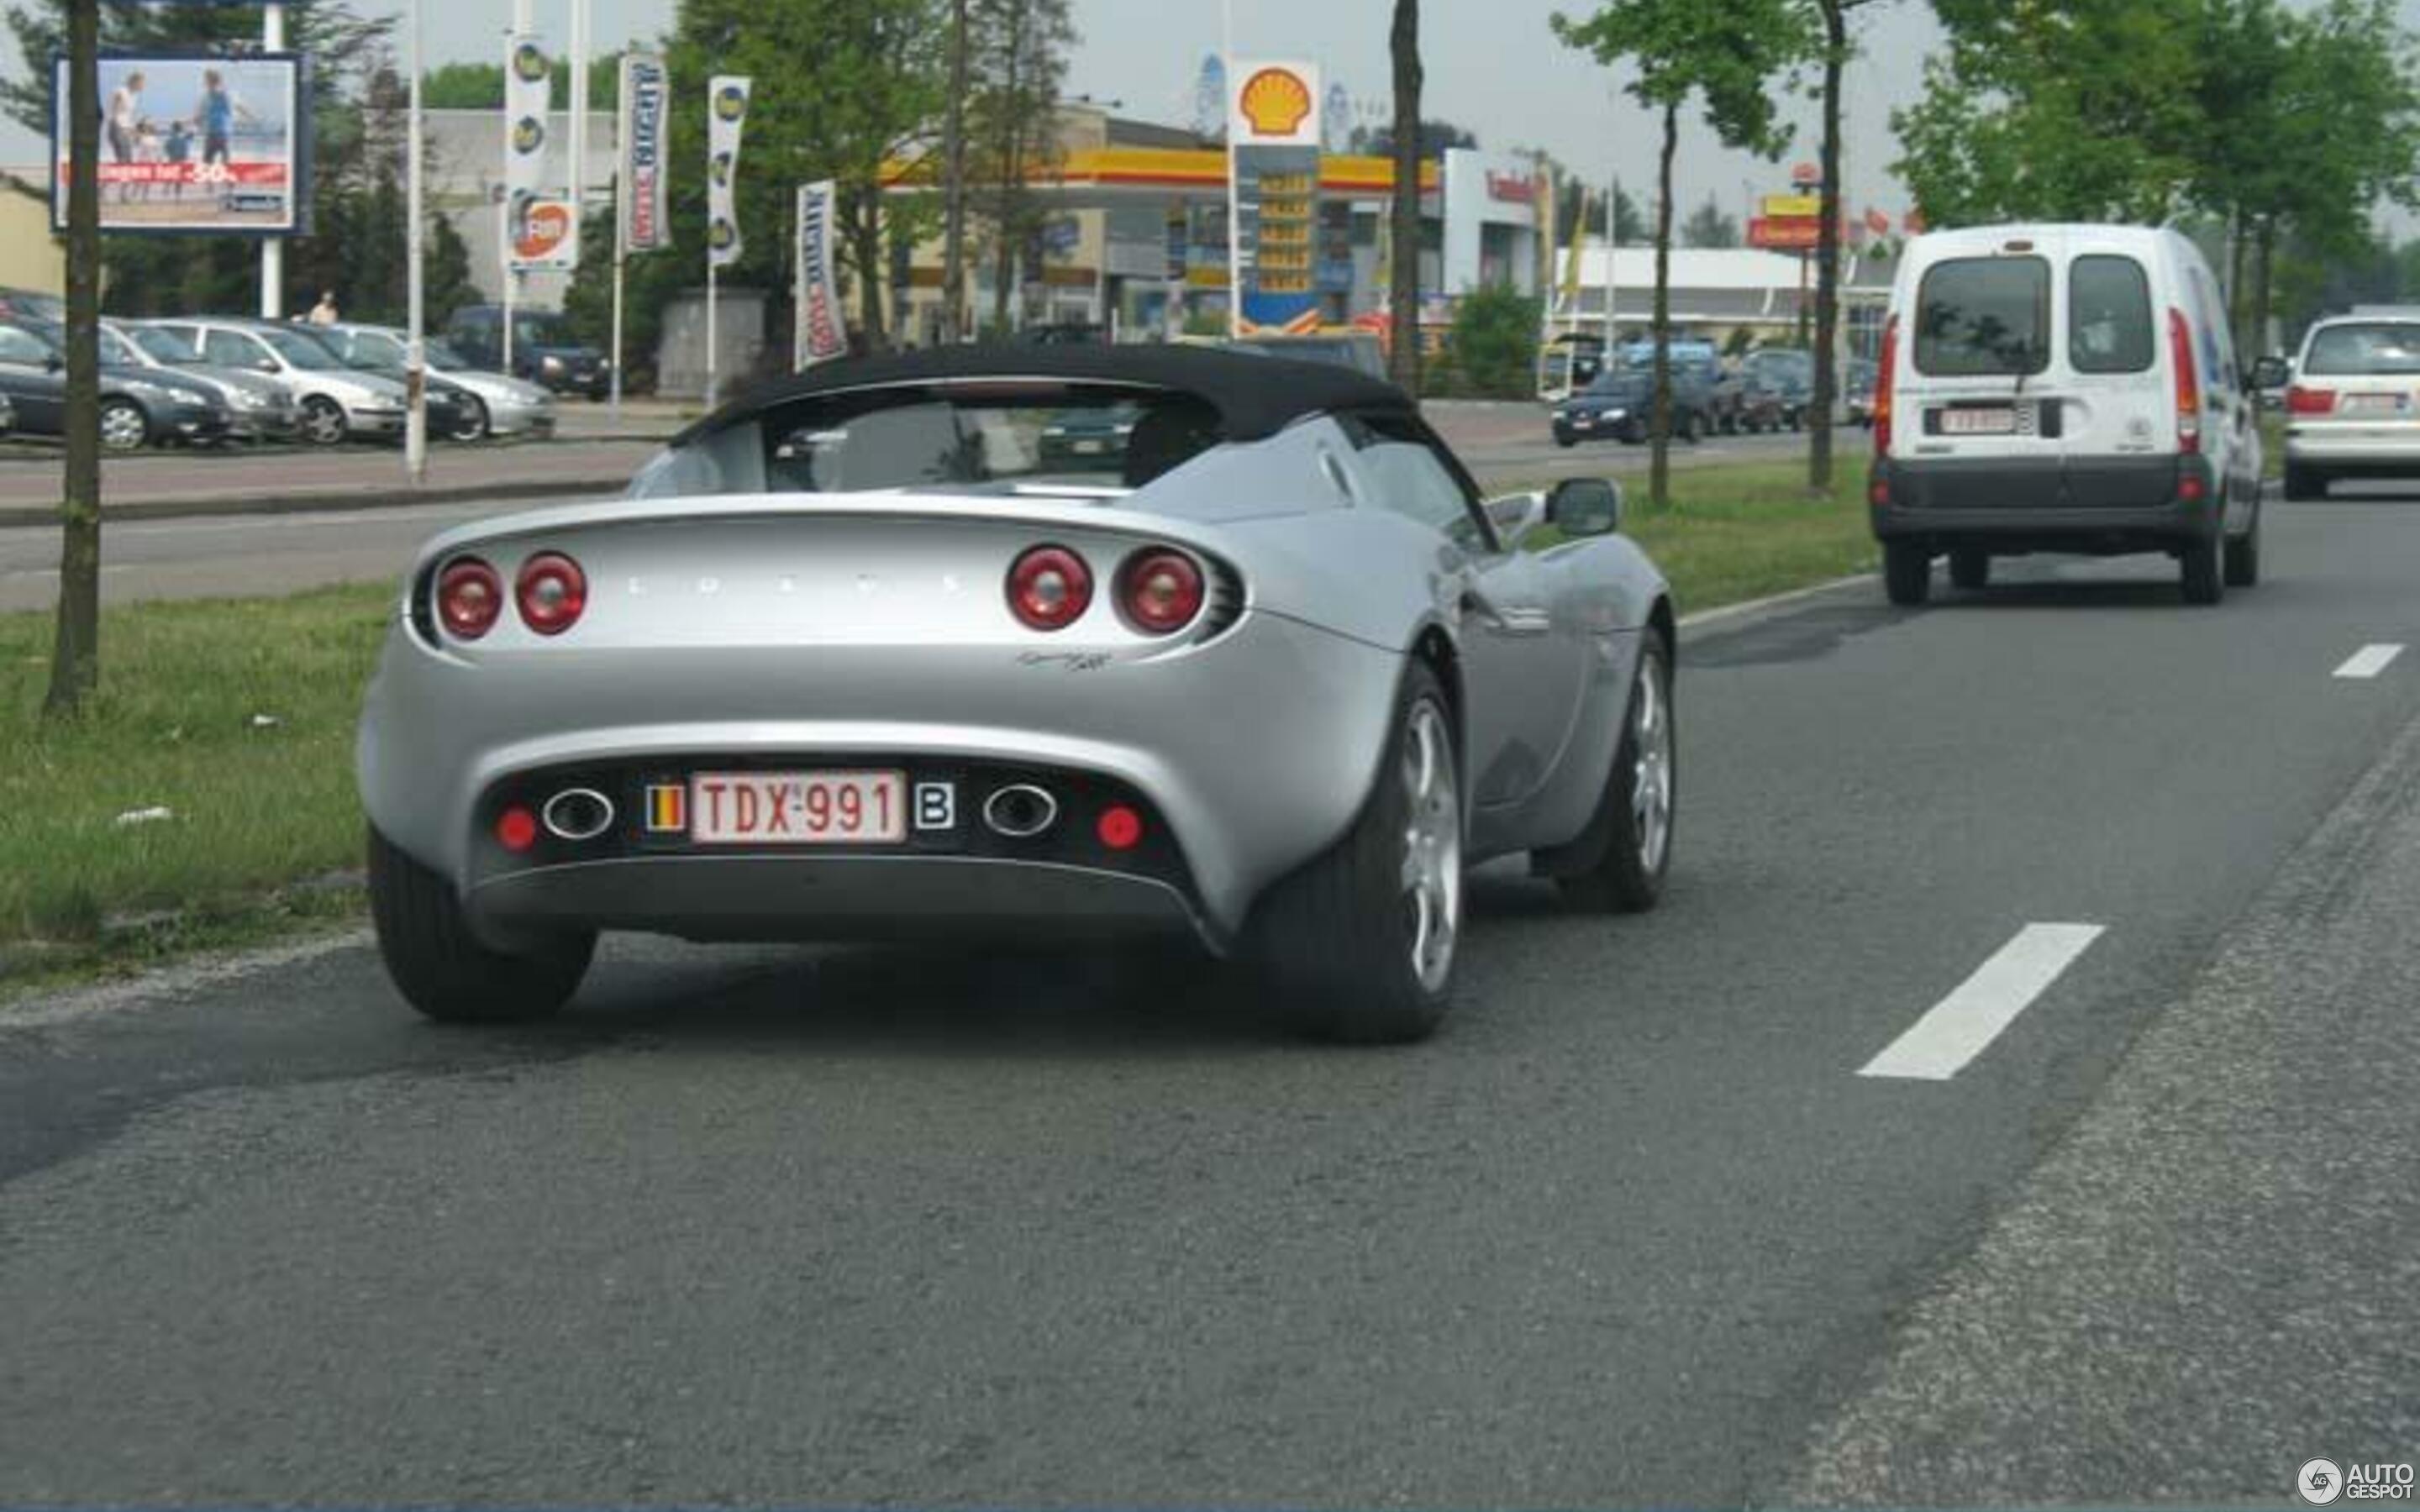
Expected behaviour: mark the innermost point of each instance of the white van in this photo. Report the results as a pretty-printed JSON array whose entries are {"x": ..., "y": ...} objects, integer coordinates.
[{"x": 2062, "y": 388}]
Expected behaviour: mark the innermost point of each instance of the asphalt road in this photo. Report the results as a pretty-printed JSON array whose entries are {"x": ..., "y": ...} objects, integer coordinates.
[
  {"x": 236, "y": 553},
  {"x": 840, "y": 1227}
]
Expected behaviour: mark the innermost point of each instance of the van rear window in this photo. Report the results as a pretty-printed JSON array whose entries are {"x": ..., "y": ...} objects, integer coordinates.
[
  {"x": 2108, "y": 316},
  {"x": 1977, "y": 316}
]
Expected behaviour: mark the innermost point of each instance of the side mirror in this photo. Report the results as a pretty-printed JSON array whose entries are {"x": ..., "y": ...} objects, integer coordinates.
[
  {"x": 54, "y": 364},
  {"x": 268, "y": 364},
  {"x": 2270, "y": 373},
  {"x": 1582, "y": 508},
  {"x": 1514, "y": 516}
]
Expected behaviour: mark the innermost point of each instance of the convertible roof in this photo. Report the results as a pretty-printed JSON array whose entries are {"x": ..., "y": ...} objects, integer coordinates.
[{"x": 1256, "y": 396}]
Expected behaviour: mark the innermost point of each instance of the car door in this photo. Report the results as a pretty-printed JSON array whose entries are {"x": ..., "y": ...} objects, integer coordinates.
[
  {"x": 37, "y": 390},
  {"x": 1520, "y": 664}
]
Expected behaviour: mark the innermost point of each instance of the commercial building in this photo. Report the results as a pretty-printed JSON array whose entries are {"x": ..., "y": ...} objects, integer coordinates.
[{"x": 1716, "y": 292}]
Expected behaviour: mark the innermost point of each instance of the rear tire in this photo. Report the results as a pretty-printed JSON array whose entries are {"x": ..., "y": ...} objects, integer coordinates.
[
  {"x": 2200, "y": 570},
  {"x": 2305, "y": 485},
  {"x": 438, "y": 966},
  {"x": 1970, "y": 568},
  {"x": 1361, "y": 943},
  {"x": 124, "y": 426},
  {"x": 1907, "y": 572},
  {"x": 1633, "y": 822},
  {"x": 2243, "y": 556}
]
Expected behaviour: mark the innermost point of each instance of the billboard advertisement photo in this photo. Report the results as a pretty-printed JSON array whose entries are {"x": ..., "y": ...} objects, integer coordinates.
[{"x": 194, "y": 144}]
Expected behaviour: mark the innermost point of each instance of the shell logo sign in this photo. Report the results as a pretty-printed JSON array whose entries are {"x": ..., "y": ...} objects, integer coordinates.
[{"x": 1275, "y": 103}]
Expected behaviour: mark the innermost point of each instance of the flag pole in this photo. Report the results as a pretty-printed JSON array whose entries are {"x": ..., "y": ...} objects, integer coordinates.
[{"x": 416, "y": 349}]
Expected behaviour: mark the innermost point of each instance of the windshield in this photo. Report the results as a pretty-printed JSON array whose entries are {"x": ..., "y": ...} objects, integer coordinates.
[
  {"x": 1036, "y": 437},
  {"x": 302, "y": 351},
  {"x": 1620, "y": 385},
  {"x": 2362, "y": 350},
  {"x": 117, "y": 351},
  {"x": 444, "y": 358},
  {"x": 165, "y": 344},
  {"x": 1981, "y": 316},
  {"x": 543, "y": 331}
]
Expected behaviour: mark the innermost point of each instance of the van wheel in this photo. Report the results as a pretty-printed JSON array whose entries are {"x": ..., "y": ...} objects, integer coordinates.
[
  {"x": 1907, "y": 572},
  {"x": 1970, "y": 568},
  {"x": 2243, "y": 556},
  {"x": 2305, "y": 485},
  {"x": 2202, "y": 571}
]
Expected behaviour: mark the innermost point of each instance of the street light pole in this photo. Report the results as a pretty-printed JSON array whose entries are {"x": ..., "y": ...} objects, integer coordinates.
[
  {"x": 273, "y": 248},
  {"x": 416, "y": 349}
]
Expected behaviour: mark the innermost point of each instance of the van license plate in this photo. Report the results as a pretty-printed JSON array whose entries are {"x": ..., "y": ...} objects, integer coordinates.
[{"x": 1979, "y": 421}]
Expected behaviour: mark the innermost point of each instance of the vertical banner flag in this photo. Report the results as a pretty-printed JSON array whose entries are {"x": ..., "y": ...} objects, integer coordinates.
[
  {"x": 1273, "y": 134},
  {"x": 822, "y": 334},
  {"x": 646, "y": 94},
  {"x": 529, "y": 96},
  {"x": 728, "y": 114}
]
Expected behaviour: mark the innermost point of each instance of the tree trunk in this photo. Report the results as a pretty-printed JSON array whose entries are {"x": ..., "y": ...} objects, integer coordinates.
[
  {"x": 1659, "y": 467},
  {"x": 1827, "y": 259},
  {"x": 2238, "y": 309},
  {"x": 75, "y": 661},
  {"x": 2263, "y": 279},
  {"x": 866, "y": 243},
  {"x": 1404, "y": 231},
  {"x": 954, "y": 159}
]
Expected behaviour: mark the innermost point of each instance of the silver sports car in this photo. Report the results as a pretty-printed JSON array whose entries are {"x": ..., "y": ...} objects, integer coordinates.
[{"x": 1049, "y": 639}]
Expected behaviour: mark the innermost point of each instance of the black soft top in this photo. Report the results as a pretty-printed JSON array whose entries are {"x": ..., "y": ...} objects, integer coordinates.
[{"x": 1256, "y": 396}]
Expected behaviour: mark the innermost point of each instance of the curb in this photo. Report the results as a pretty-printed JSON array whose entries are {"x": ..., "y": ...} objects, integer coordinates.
[{"x": 19, "y": 516}]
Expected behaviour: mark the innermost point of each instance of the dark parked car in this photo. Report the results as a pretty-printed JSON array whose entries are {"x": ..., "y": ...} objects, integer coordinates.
[
  {"x": 1085, "y": 438},
  {"x": 1621, "y": 404},
  {"x": 544, "y": 350},
  {"x": 138, "y": 406},
  {"x": 1858, "y": 391},
  {"x": 1788, "y": 375}
]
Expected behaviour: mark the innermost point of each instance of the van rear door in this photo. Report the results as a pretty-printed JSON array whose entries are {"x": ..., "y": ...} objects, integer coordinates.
[
  {"x": 2119, "y": 410},
  {"x": 1978, "y": 355}
]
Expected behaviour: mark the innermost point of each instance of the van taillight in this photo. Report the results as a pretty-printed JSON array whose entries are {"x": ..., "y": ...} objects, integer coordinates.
[
  {"x": 2303, "y": 401},
  {"x": 2188, "y": 383},
  {"x": 1886, "y": 384}
]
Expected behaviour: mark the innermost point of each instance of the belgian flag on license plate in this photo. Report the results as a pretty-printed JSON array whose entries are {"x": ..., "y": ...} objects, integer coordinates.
[{"x": 667, "y": 809}]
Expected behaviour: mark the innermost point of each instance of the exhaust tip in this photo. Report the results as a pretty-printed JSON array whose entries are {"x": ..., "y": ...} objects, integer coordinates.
[
  {"x": 578, "y": 814},
  {"x": 1020, "y": 811}
]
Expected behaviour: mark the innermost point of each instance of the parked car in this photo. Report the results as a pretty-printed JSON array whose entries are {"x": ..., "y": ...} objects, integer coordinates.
[
  {"x": 493, "y": 404},
  {"x": 259, "y": 406},
  {"x": 545, "y": 351},
  {"x": 1356, "y": 350},
  {"x": 8, "y": 413},
  {"x": 332, "y": 402},
  {"x": 31, "y": 304},
  {"x": 2062, "y": 388},
  {"x": 138, "y": 407},
  {"x": 1787, "y": 375},
  {"x": 1858, "y": 391},
  {"x": 1206, "y": 690},
  {"x": 1619, "y": 406},
  {"x": 1088, "y": 437},
  {"x": 455, "y": 414},
  {"x": 2353, "y": 408}
]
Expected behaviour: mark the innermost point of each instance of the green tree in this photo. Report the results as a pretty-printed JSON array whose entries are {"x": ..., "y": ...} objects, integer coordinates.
[
  {"x": 1727, "y": 57},
  {"x": 1708, "y": 226},
  {"x": 2062, "y": 110},
  {"x": 1496, "y": 341},
  {"x": 1832, "y": 24},
  {"x": 481, "y": 86},
  {"x": 1435, "y": 137},
  {"x": 1017, "y": 58}
]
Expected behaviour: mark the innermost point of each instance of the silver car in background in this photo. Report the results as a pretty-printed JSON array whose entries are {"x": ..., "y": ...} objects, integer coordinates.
[
  {"x": 259, "y": 407},
  {"x": 860, "y": 657},
  {"x": 498, "y": 405},
  {"x": 332, "y": 403},
  {"x": 2353, "y": 408}
]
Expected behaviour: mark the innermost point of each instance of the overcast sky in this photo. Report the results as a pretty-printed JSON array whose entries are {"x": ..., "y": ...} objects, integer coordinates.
[{"x": 1493, "y": 67}]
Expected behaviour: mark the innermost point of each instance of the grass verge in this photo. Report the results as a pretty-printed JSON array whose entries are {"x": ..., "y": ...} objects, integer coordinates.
[{"x": 237, "y": 715}]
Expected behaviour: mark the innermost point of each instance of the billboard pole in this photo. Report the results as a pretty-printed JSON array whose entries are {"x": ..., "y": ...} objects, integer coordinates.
[
  {"x": 273, "y": 248},
  {"x": 579, "y": 177},
  {"x": 522, "y": 22},
  {"x": 416, "y": 349}
]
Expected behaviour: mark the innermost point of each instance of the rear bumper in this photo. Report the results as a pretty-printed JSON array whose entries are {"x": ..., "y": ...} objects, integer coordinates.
[
  {"x": 2119, "y": 504},
  {"x": 2385, "y": 449}
]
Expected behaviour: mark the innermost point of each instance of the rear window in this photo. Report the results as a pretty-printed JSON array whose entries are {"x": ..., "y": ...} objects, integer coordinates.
[
  {"x": 2351, "y": 351},
  {"x": 989, "y": 438},
  {"x": 2108, "y": 316},
  {"x": 1979, "y": 316}
]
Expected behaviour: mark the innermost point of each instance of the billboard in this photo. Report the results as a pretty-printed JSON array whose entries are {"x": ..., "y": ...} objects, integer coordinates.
[
  {"x": 1273, "y": 140},
  {"x": 647, "y": 91},
  {"x": 194, "y": 144}
]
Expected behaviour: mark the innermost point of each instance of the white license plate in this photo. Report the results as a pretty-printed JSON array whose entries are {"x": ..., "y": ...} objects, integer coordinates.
[
  {"x": 1979, "y": 421},
  {"x": 1090, "y": 448},
  {"x": 1584, "y": 422},
  {"x": 2377, "y": 404},
  {"x": 798, "y": 807}
]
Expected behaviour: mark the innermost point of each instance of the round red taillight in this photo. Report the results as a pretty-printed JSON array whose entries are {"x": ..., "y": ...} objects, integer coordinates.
[
  {"x": 1120, "y": 828},
  {"x": 516, "y": 829},
  {"x": 470, "y": 597},
  {"x": 551, "y": 591},
  {"x": 1159, "y": 591},
  {"x": 1050, "y": 588}
]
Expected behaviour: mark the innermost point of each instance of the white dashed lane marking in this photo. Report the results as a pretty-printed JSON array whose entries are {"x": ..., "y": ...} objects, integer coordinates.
[
  {"x": 2369, "y": 661},
  {"x": 1964, "y": 1024}
]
